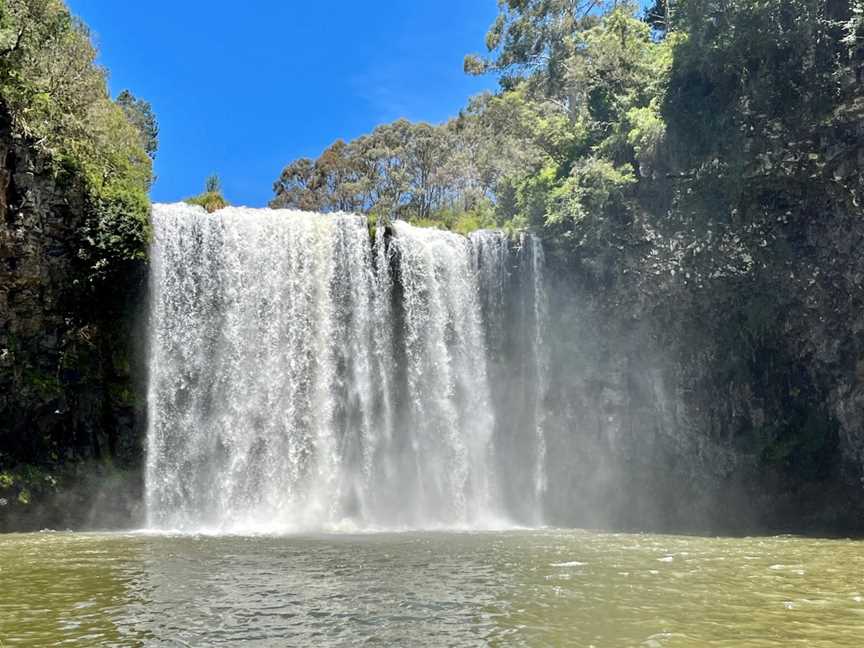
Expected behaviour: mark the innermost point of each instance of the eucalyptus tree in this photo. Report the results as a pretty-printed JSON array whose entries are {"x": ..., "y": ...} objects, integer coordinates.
[
  {"x": 535, "y": 39},
  {"x": 296, "y": 187}
]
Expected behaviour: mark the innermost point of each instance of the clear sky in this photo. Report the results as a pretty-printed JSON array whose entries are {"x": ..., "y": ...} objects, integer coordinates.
[{"x": 240, "y": 89}]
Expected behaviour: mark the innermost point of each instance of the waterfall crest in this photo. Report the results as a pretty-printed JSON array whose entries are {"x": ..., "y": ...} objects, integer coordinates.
[{"x": 303, "y": 377}]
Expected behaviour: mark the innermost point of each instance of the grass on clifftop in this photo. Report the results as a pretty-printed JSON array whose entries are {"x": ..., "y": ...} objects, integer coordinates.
[{"x": 211, "y": 201}]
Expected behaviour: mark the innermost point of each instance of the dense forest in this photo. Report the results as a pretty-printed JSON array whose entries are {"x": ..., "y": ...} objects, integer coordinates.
[{"x": 693, "y": 169}]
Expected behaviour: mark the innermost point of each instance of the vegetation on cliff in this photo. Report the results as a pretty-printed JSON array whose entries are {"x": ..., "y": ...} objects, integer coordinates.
[
  {"x": 211, "y": 199},
  {"x": 57, "y": 97},
  {"x": 604, "y": 115},
  {"x": 75, "y": 173}
]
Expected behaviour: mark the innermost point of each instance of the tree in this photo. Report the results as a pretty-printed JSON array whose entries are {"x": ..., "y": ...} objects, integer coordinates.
[
  {"x": 659, "y": 16},
  {"x": 140, "y": 115},
  {"x": 534, "y": 39},
  {"x": 296, "y": 187},
  {"x": 592, "y": 146}
]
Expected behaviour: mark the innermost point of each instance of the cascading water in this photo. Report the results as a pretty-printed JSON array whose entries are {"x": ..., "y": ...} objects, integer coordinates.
[
  {"x": 302, "y": 377},
  {"x": 514, "y": 304},
  {"x": 535, "y": 260}
]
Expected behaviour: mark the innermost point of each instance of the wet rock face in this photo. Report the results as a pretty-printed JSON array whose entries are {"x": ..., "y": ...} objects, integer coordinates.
[
  {"x": 35, "y": 266},
  {"x": 67, "y": 391},
  {"x": 831, "y": 327},
  {"x": 734, "y": 405}
]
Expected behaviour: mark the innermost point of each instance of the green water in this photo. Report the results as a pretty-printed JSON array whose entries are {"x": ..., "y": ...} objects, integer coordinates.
[{"x": 539, "y": 588}]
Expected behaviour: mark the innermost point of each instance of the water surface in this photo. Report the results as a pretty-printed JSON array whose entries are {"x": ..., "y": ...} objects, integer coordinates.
[{"x": 531, "y": 588}]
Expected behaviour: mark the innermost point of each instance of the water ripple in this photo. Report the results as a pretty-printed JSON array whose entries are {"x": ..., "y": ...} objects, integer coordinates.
[{"x": 487, "y": 589}]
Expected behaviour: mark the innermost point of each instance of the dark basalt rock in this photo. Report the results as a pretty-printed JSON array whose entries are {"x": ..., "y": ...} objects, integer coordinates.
[{"x": 70, "y": 379}]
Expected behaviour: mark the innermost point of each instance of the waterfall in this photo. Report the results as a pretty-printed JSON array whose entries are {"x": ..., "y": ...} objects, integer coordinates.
[
  {"x": 535, "y": 260},
  {"x": 514, "y": 304},
  {"x": 303, "y": 376}
]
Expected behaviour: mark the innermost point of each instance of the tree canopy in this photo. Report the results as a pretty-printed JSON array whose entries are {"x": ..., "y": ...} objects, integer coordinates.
[{"x": 606, "y": 115}]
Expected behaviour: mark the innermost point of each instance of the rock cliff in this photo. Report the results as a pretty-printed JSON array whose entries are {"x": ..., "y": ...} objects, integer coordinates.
[{"x": 71, "y": 413}]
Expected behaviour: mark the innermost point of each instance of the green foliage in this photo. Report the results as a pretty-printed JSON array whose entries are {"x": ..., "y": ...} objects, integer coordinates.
[
  {"x": 598, "y": 127},
  {"x": 46, "y": 385},
  {"x": 666, "y": 137},
  {"x": 211, "y": 199},
  {"x": 594, "y": 185},
  {"x": 646, "y": 133},
  {"x": 124, "y": 395},
  {"x": 461, "y": 222},
  {"x": 535, "y": 39},
  {"x": 24, "y": 482},
  {"x": 400, "y": 170},
  {"x": 550, "y": 152},
  {"x": 211, "y": 202},
  {"x": 747, "y": 66},
  {"x": 140, "y": 115},
  {"x": 213, "y": 185},
  {"x": 57, "y": 97}
]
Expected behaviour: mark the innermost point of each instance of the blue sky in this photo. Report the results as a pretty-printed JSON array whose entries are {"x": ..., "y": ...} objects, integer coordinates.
[{"x": 241, "y": 92}]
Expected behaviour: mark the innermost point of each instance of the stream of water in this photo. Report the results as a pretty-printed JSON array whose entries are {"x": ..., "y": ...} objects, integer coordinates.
[{"x": 304, "y": 377}]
